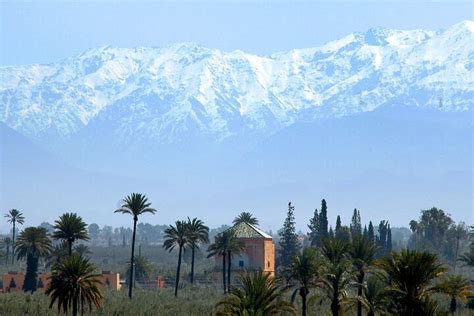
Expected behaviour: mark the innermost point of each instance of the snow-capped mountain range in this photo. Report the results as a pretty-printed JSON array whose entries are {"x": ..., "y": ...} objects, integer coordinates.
[{"x": 166, "y": 94}]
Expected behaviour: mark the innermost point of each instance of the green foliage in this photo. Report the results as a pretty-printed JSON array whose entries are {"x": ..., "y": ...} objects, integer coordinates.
[
  {"x": 356, "y": 225},
  {"x": 14, "y": 217},
  {"x": 455, "y": 286},
  {"x": 410, "y": 274},
  {"x": 32, "y": 244},
  {"x": 323, "y": 220},
  {"x": 74, "y": 286},
  {"x": 314, "y": 229},
  {"x": 69, "y": 228},
  {"x": 177, "y": 236},
  {"x": 245, "y": 217},
  {"x": 289, "y": 243},
  {"x": 258, "y": 295},
  {"x": 197, "y": 233}
]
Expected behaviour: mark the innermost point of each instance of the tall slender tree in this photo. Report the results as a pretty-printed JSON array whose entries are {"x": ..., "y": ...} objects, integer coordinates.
[
  {"x": 32, "y": 244},
  {"x": 234, "y": 247},
  {"x": 356, "y": 225},
  {"x": 371, "y": 232},
  {"x": 7, "y": 243},
  {"x": 14, "y": 217},
  {"x": 177, "y": 236},
  {"x": 135, "y": 204},
  {"x": 305, "y": 271},
  {"x": 289, "y": 242},
  {"x": 69, "y": 228},
  {"x": 362, "y": 252},
  {"x": 197, "y": 233},
  {"x": 323, "y": 220},
  {"x": 314, "y": 229},
  {"x": 219, "y": 249}
]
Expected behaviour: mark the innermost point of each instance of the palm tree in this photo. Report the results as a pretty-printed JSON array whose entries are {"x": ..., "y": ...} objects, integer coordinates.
[
  {"x": 456, "y": 286},
  {"x": 74, "y": 285},
  {"x": 234, "y": 247},
  {"x": 32, "y": 244},
  {"x": 58, "y": 252},
  {"x": 362, "y": 252},
  {"x": 143, "y": 268},
  {"x": 336, "y": 272},
  {"x": 410, "y": 274},
  {"x": 7, "y": 243},
  {"x": 69, "y": 228},
  {"x": 82, "y": 250},
  {"x": 245, "y": 217},
  {"x": 375, "y": 298},
  {"x": 14, "y": 216},
  {"x": 197, "y": 233},
  {"x": 467, "y": 258},
  {"x": 304, "y": 270},
  {"x": 135, "y": 204},
  {"x": 176, "y": 236},
  {"x": 258, "y": 295},
  {"x": 219, "y": 248}
]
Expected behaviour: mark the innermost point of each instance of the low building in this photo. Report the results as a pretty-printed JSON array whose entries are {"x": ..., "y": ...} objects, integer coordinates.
[
  {"x": 13, "y": 281},
  {"x": 258, "y": 255}
]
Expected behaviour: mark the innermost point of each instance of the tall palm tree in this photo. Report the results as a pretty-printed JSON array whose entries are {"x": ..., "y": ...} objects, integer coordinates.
[
  {"x": 7, "y": 243},
  {"x": 411, "y": 274},
  {"x": 74, "y": 285},
  {"x": 176, "y": 236},
  {"x": 456, "y": 286},
  {"x": 304, "y": 269},
  {"x": 362, "y": 252},
  {"x": 135, "y": 204},
  {"x": 197, "y": 233},
  {"x": 32, "y": 244},
  {"x": 14, "y": 217},
  {"x": 245, "y": 217},
  {"x": 219, "y": 248},
  {"x": 69, "y": 228},
  {"x": 234, "y": 247},
  {"x": 336, "y": 273},
  {"x": 258, "y": 295}
]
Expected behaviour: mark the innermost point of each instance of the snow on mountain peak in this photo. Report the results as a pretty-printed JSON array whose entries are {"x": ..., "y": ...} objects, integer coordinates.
[{"x": 164, "y": 91}]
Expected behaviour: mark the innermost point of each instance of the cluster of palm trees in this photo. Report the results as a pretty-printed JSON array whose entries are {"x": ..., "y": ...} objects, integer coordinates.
[
  {"x": 346, "y": 275},
  {"x": 74, "y": 286}
]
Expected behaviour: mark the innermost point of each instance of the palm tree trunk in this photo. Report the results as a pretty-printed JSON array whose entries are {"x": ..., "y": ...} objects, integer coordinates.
[
  {"x": 178, "y": 271},
  {"x": 452, "y": 305},
  {"x": 13, "y": 243},
  {"x": 223, "y": 273},
  {"x": 132, "y": 260},
  {"x": 192, "y": 263},
  {"x": 335, "y": 301},
  {"x": 303, "y": 293},
  {"x": 359, "y": 292},
  {"x": 74, "y": 306},
  {"x": 229, "y": 267}
]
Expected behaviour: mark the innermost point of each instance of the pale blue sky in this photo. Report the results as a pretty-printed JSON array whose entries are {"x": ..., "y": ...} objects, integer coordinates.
[{"x": 47, "y": 31}]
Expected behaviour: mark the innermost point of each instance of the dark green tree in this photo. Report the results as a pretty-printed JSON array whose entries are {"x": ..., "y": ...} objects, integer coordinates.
[
  {"x": 245, "y": 217},
  {"x": 74, "y": 286},
  {"x": 135, "y": 204},
  {"x": 356, "y": 225},
  {"x": 33, "y": 243},
  {"x": 323, "y": 220},
  {"x": 197, "y": 233},
  {"x": 14, "y": 217},
  {"x": 338, "y": 225},
  {"x": 314, "y": 230},
  {"x": 305, "y": 271},
  {"x": 289, "y": 242},
  {"x": 371, "y": 232},
  {"x": 177, "y": 236},
  {"x": 7, "y": 243},
  {"x": 69, "y": 228}
]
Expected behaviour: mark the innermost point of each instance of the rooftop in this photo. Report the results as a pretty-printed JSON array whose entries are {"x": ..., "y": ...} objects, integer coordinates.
[{"x": 246, "y": 230}]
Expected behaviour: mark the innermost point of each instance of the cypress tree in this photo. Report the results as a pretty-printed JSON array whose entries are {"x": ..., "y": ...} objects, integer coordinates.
[
  {"x": 314, "y": 229},
  {"x": 323, "y": 220},
  {"x": 331, "y": 233},
  {"x": 338, "y": 224},
  {"x": 289, "y": 242},
  {"x": 370, "y": 232},
  {"x": 382, "y": 238},
  {"x": 365, "y": 234},
  {"x": 389, "y": 240},
  {"x": 356, "y": 225}
]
